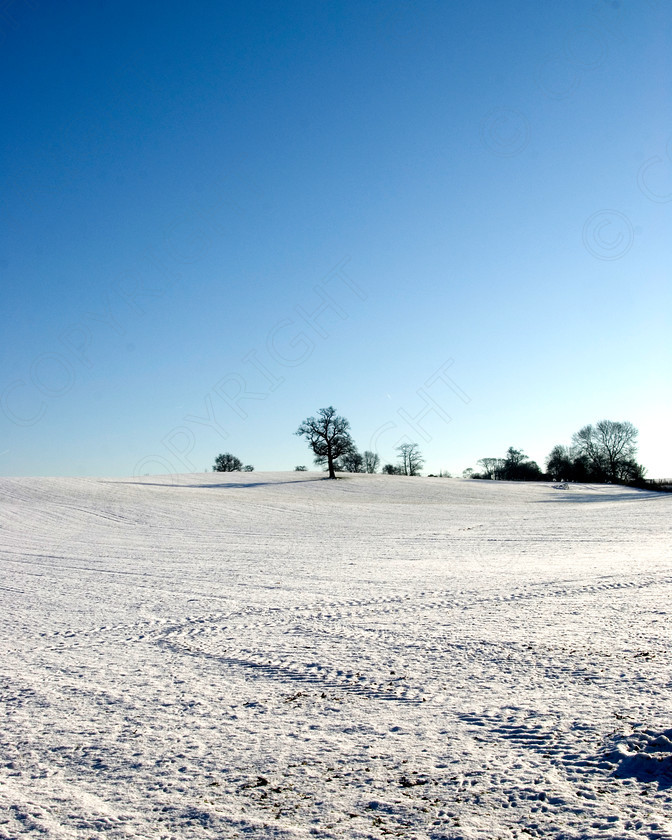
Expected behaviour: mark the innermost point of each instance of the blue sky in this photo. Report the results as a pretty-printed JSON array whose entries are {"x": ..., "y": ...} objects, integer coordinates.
[{"x": 450, "y": 221}]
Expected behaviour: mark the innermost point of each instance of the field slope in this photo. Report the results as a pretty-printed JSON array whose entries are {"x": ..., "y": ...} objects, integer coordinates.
[{"x": 274, "y": 655}]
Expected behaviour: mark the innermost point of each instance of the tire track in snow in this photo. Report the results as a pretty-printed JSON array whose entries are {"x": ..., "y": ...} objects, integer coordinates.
[{"x": 318, "y": 675}]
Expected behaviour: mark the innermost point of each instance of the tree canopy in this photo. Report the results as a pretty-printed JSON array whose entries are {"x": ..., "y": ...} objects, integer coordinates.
[
  {"x": 603, "y": 452},
  {"x": 328, "y": 435},
  {"x": 226, "y": 462},
  {"x": 516, "y": 466},
  {"x": 410, "y": 459},
  {"x": 609, "y": 448}
]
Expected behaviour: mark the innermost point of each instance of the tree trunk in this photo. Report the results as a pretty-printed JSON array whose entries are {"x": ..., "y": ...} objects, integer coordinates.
[{"x": 330, "y": 461}]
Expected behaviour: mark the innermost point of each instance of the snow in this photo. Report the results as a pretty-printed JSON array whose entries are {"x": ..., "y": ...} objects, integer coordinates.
[{"x": 275, "y": 655}]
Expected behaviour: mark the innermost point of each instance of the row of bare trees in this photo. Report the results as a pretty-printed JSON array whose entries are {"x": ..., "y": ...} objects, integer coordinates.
[{"x": 599, "y": 453}]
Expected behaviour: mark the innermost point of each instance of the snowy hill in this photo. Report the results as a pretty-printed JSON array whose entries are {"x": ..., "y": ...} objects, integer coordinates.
[{"x": 274, "y": 655}]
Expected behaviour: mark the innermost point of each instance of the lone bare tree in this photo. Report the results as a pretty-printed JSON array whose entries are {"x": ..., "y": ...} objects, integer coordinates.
[
  {"x": 410, "y": 458},
  {"x": 328, "y": 435}
]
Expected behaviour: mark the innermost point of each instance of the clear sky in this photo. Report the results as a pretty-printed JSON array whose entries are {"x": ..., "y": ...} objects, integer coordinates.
[{"x": 449, "y": 220}]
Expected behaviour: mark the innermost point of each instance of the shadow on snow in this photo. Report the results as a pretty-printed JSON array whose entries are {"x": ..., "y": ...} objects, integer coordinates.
[{"x": 237, "y": 485}]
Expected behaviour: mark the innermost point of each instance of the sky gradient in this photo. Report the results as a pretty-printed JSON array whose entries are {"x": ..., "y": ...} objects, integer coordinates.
[{"x": 450, "y": 221}]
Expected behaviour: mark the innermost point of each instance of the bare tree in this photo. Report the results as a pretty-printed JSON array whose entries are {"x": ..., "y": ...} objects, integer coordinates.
[
  {"x": 410, "y": 458},
  {"x": 492, "y": 467},
  {"x": 610, "y": 448},
  {"x": 352, "y": 461},
  {"x": 371, "y": 461},
  {"x": 328, "y": 435}
]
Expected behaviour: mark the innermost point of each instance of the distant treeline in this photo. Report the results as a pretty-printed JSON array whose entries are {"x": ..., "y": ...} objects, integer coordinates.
[{"x": 600, "y": 453}]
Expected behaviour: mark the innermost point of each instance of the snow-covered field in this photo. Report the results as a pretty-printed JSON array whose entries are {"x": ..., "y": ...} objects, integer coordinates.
[{"x": 280, "y": 656}]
